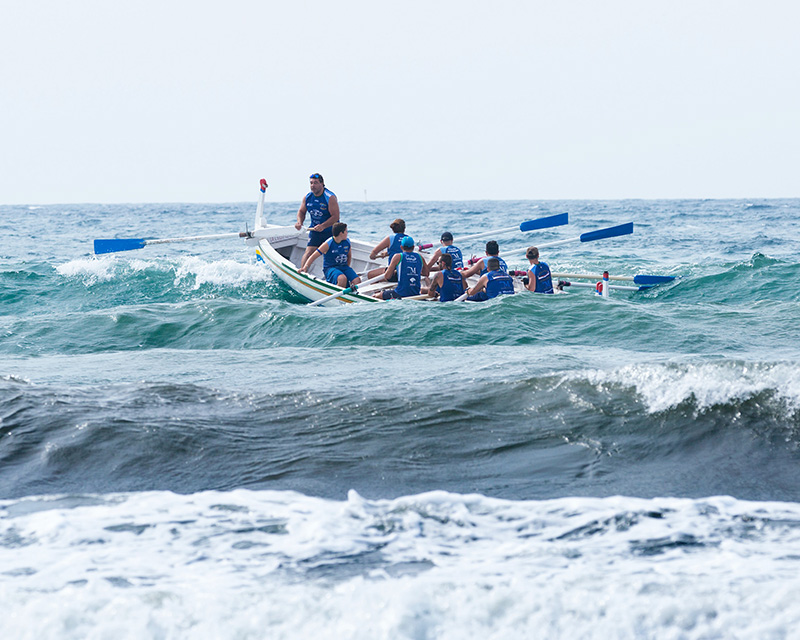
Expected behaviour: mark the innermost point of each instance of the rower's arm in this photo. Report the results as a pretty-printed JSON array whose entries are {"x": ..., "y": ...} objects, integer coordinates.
[
  {"x": 434, "y": 259},
  {"x": 318, "y": 251},
  {"x": 471, "y": 271},
  {"x": 435, "y": 284},
  {"x": 301, "y": 214},
  {"x": 480, "y": 285},
  {"x": 392, "y": 266},
  {"x": 383, "y": 244}
]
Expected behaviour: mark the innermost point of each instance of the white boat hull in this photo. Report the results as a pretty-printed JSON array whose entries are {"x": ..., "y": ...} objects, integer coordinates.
[{"x": 282, "y": 248}]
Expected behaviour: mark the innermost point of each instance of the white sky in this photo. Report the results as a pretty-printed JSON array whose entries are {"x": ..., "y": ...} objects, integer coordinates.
[{"x": 194, "y": 101}]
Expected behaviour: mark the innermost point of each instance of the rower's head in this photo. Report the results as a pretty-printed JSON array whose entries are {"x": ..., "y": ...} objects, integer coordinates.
[
  {"x": 493, "y": 264},
  {"x": 317, "y": 183},
  {"x": 532, "y": 254},
  {"x": 446, "y": 261},
  {"x": 492, "y": 248},
  {"x": 398, "y": 226},
  {"x": 407, "y": 244},
  {"x": 339, "y": 229},
  {"x": 447, "y": 238}
]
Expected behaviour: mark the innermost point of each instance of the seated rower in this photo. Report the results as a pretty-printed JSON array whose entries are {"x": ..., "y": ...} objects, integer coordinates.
[
  {"x": 495, "y": 282},
  {"x": 409, "y": 267},
  {"x": 482, "y": 266},
  {"x": 451, "y": 283},
  {"x": 390, "y": 244},
  {"x": 539, "y": 278},
  {"x": 447, "y": 248},
  {"x": 337, "y": 256}
]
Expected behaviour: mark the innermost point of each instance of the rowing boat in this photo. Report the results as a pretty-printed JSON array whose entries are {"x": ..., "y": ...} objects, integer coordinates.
[{"x": 281, "y": 249}]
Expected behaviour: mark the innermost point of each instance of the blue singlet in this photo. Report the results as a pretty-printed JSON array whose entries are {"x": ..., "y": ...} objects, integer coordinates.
[
  {"x": 394, "y": 246},
  {"x": 485, "y": 267},
  {"x": 541, "y": 274},
  {"x": 409, "y": 277},
  {"x": 455, "y": 252},
  {"x": 452, "y": 285},
  {"x": 336, "y": 256},
  {"x": 499, "y": 284},
  {"x": 317, "y": 207}
]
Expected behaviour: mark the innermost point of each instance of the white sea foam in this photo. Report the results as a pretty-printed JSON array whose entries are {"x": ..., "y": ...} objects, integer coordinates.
[
  {"x": 666, "y": 385},
  {"x": 437, "y": 565},
  {"x": 196, "y": 270},
  {"x": 91, "y": 269},
  {"x": 220, "y": 272}
]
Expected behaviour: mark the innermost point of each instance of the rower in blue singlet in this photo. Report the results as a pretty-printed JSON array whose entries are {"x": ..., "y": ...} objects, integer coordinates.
[
  {"x": 495, "y": 282},
  {"x": 336, "y": 254},
  {"x": 447, "y": 248},
  {"x": 450, "y": 283},
  {"x": 539, "y": 278},
  {"x": 323, "y": 207},
  {"x": 482, "y": 266},
  {"x": 390, "y": 244},
  {"x": 410, "y": 268}
]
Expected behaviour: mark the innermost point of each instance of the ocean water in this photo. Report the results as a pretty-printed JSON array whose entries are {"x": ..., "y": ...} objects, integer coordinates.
[{"x": 188, "y": 451}]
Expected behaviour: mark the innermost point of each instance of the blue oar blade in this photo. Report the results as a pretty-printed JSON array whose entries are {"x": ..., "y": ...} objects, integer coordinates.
[
  {"x": 611, "y": 232},
  {"x": 118, "y": 244},
  {"x": 545, "y": 223},
  {"x": 642, "y": 279}
]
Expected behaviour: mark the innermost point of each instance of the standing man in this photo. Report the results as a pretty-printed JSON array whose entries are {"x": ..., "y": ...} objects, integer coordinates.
[
  {"x": 322, "y": 205},
  {"x": 539, "y": 278}
]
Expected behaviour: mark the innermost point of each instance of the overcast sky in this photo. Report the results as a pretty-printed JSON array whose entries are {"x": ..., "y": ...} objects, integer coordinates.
[{"x": 194, "y": 101}]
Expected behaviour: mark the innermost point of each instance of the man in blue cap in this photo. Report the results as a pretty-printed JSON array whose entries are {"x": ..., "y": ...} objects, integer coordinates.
[
  {"x": 322, "y": 205},
  {"x": 410, "y": 268}
]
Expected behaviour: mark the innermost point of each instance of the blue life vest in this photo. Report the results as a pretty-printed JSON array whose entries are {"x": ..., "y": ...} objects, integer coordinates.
[
  {"x": 452, "y": 285},
  {"x": 336, "y": 256},
  {"x": 541, "y": 274},
  {"x": 499, "y": 284},
  {"x": 394, "y": 245},
  {"x": 455, "y": 252},
  {"x": 317, "y": 207},
  {"x": 485, "y": 267},
  {"x": 409, "y": 276}
]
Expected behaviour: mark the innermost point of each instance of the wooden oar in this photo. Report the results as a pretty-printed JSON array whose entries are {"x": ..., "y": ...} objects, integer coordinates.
[{"x": 343, "y": 292}]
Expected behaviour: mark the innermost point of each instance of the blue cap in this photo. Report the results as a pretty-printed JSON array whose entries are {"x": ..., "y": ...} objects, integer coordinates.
[{"x": 408, "y": 242}]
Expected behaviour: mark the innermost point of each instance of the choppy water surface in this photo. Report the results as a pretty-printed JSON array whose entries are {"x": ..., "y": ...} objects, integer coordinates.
[{"x": 186, "y": 450}]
